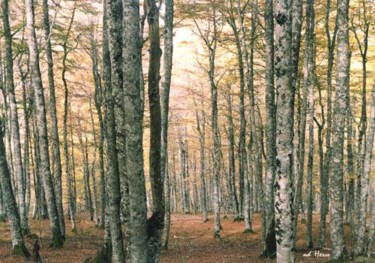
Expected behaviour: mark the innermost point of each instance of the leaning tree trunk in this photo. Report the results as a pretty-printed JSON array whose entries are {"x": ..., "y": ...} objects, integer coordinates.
[
  {"x": 336, "y": 174},
  {"x": 57, "y": 173},
  {"x": 18, "y": 245},
  {"x": 16, "y": 141},
  {"x": 57, "y": 237},
  {"x": 284, "y": 139},
  {"x": 134, "y": 131}
]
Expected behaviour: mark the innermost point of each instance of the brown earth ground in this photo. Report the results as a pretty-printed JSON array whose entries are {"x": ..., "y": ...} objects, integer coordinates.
[{"x": 191, "y": 241}]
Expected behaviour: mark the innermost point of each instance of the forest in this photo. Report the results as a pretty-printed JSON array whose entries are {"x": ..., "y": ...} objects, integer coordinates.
[{"x": 148, "y": 131}]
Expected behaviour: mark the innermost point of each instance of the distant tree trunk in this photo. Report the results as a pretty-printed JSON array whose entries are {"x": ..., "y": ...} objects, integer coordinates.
[
  {"x": 309, "y": 83},
  {"x": 248, "y": 209},
  {"x": 168, "y": 62},
  {"x": 232, "y": 168},
  {"x": 16, "y": 140},
  {"x": 284, "y": 139},
  {"x": 324, "y": 176},
  {"x": 18, "y": 245},
  {"x": 240, "y": 45},
  {"x": 201, "y": 127},
  {"x": 184, "y": 176},
  {"x": 336, "y": 164},
  {"x": 69, "y": 180},
  {"x": 167, "y": 196},
  {"x": 57, "y": 173},
  {"x": 256, "y": 130},
  {"x": 134, "y": 147},
  {"x": 93, "y": 168},
  {"x": 57, "y": 237}
]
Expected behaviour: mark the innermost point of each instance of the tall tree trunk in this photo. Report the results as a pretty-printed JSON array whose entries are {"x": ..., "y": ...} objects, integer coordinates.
[
  {"x": 16, "y": 140},
  {"x": 57, "y": 173},
  {"x": 69, "y": 180},
  {"x": 115, "y": 127},
  {"x": 134, "y": 131},
  {"x": 309, "y": 75},
  {"x": 324, "y": 176},
  {"x": 361, "y": 248},
  {"x": 270, "y": 247},
  {"x": 336, "y": 163},
  {"x": 164, "y": 103},
  {"x": 57, "y": 237},
  {"x": 18, "y": 245},
  {"x": 363, "y": 179},
  {"x": 284, "y": 130},
  {"x": 156, "y": 178},
  {"x": 367, "y": 170}
]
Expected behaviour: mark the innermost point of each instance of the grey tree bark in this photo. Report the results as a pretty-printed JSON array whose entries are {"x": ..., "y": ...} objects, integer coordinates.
[
  {"x": 18, "y": 245},
  {"x": 309, "y": 83},
  {"x": 168, "y": 62},
  {"x": 16, "y": 141},
  {"x": 57, "y": 173},
  {"x": 115, "y": 126},
  {"x": 284, "y": 132},
  {"x": 201, "y": 127},
  {"x": 69, "y": 179},
  {"x": 336, "y": 163},
  {"x": 134, "y": 131},
  {"x": 367, "y": 170},
  {"x": 270, "y": 244},
  {"x": 362, "y": 178},
  {"x": 57, "y": 237},
  {"x": 324, "y": 175}
]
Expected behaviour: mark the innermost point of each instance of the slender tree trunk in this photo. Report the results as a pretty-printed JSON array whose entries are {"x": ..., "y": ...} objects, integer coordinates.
[
  {"x": 201, "y": 127},
  {"x": 309, "y": 75},
  {"x": 115, "y": 127},
  {"x": 18, "y": 245},
  {"x": 324, "y": 177},
  {"x": 338, "y": 125},
  {"x": 16, "y": 139},
  {"x": 168, "y": 61},
  {"x": 270, "y": 247},
  {"x": 57, "y": 237},
  {"x": 57, "y": 173},
  {"x": 69, "y": 180}
]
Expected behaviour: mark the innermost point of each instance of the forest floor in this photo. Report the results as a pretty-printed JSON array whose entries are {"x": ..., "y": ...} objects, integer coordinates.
[{"x": 191, "y": 241}]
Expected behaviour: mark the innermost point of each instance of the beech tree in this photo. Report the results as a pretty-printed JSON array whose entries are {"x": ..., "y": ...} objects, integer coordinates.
[
  {"x": 336, "y": 165},
  {"x": 284, "y": 133},
  {"x": 57, "y": 234}
]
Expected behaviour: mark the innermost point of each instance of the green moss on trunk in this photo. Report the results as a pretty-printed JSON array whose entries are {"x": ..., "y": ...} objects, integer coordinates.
[
  {"x": 57, "y": 239},
  {"x": 20, "y": 250}
]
